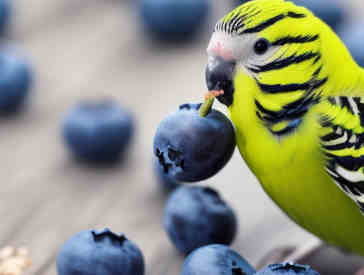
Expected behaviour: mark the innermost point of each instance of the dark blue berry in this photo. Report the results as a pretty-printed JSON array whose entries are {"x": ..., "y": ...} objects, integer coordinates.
[
  {"x": 173, "y": 19},
  {"x": 216, "y": 260},
  {"x": 101, "y": 252},
  {"x": 15, "y": 80},
  {"x": 195, "y": 216},
  {"x": 165, "y": 181},
  {"x": 287, "y": 269},
  {"x": 192, "y": 148},
  {"x": 97, "y": 131}
]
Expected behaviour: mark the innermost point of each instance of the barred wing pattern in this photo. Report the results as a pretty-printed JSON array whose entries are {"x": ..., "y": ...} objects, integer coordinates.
[{"x": 344, "y": 147}]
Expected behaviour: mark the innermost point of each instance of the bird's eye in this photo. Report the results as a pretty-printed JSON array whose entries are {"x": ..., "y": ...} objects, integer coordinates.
[{"x": 261, "y": 46}]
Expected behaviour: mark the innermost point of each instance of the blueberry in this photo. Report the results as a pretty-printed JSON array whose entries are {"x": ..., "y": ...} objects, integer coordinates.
[
  {"x": 101, "y": 252},
  {"x": 195, "y": 216},
  {"x": 5, "y": 10},
  {"x": 287, "y": 269},
  {"x": 15, "y": 80},
  {"x": 97, "y": 131},
  {"x": 171, "y": 19},
  {"x": 192, "y": 148},
  {"x": 216, "y": 259},
  {"x": 353, "y": 35},
  {"x": 165, "y": 181},
  {"x": 329, "y": 11}
]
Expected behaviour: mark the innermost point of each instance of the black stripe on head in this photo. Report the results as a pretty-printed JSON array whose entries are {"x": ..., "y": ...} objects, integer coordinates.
[
  {"x": 272, "y": 21},
  {"x": 278, "y": 88},
  {"x": 292, "y": 111},
  {"x": 235, "y": 26},
  {"x": 265, "y": 24},
  {"x": 317, "y": 59},
  {"x": 317, "y": 72},
  {"x": 294, "y": 39},
  {"x": 295, "y": 15},
  {"x": 269, "y": 116},
  {"x": 285, "y": 62}
]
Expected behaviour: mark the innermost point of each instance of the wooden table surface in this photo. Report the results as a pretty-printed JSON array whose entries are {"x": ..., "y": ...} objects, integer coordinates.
[{"x": 92, "y": 49}]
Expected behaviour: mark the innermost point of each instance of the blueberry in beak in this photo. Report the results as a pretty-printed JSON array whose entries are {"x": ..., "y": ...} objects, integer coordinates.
[{"x": 219, "y": 76}]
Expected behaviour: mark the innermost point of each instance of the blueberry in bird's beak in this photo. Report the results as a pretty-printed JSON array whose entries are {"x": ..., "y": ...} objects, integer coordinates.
[{"x": 219, "y": 76}]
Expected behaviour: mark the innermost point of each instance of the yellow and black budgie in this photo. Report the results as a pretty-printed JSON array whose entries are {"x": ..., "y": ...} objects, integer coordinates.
[{"x": 296, "y": 97}]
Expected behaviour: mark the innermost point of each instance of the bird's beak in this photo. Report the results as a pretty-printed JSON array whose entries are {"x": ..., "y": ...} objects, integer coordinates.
[{"x": 219, "y": 76}]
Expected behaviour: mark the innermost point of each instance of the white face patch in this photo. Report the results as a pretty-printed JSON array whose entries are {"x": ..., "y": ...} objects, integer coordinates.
[{"x": 238, "y": 48}]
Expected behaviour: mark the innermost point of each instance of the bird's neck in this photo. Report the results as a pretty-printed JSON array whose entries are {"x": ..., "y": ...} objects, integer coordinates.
[{"x": 345, "y": 76}]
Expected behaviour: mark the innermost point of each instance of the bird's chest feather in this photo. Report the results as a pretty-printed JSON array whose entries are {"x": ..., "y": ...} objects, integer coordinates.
[
  {"x": 271, "y": 152},
  {"x": 280, "y": 163},
  {"x": 291, "y": 169}
]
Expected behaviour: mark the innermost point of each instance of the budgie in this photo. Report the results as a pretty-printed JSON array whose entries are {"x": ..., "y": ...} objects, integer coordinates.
[{"x": 296, "y": 97}]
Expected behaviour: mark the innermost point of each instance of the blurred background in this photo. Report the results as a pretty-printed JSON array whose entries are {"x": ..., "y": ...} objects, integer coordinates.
[{"x": 132, "y": 52}]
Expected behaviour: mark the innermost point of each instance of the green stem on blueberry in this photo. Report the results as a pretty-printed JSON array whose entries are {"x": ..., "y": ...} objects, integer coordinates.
[
  {"x": 209, "y": 101},
  {"x": 206, "y": 106}
]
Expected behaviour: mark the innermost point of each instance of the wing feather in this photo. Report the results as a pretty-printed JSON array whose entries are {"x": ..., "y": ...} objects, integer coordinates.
[{"x": 344, "y": 147}]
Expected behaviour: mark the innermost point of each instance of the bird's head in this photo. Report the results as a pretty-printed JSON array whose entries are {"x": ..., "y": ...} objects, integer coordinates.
[{"x": 277, "y": 52}]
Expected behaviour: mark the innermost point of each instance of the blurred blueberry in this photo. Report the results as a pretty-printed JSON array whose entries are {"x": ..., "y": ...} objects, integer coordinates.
[
  {"x": 287, "y": 269},
  {"x": 173, "y": 19},
  {"x": 165, "y": 181},
  {"x": 97, "y": 131},
  {"x": 353, "y": 36},
  {"x": 15, "y": 80},
  {"x": 329, "y": 11},
  {"x": 5, "y": 12},
  {"x": 216, "y": 259},
  {"x": 195, "y": 216},
  {"x": 101, "y": 252},
  {"x": 192, "y": 148}
]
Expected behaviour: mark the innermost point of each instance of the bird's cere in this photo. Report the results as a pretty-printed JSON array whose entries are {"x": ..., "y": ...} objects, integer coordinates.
[{"x": 226, "y": 46}]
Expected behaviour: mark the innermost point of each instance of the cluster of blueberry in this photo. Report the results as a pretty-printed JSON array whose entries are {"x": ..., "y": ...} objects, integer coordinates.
[
  {"x": 190, "y": 145},
  {"x": 197, "y": 220},
  {"x": 100, "y": 252},
  {"x": 335, "y": 14}
]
